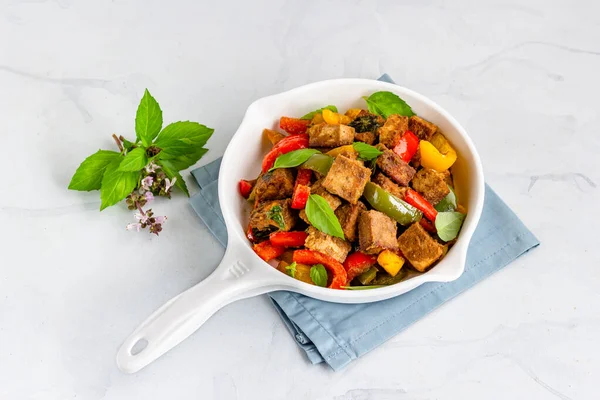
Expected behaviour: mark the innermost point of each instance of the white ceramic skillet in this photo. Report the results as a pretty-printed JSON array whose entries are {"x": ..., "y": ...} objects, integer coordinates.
[{"x": 242, "y": 273}]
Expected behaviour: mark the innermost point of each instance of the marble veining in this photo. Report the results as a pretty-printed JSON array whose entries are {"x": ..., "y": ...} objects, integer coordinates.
[{"x": 522, "y": 77}]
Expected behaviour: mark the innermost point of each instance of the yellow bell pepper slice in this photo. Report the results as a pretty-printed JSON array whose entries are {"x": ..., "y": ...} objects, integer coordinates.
[
  {"x": 390, "y": 261},
  {"x": 339, "y": 150},
  {"x": 353, "y": 112},
  {"x": 317, "y": 119},
  {"x": 437, "y": 154},
  {"x": 335, "y": 118}
]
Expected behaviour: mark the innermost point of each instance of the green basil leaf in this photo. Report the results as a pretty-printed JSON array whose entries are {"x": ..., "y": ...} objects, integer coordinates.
[
  {"x": 116, "y": 185},
  {"x": 88, "y": 175},
  {"x": 366, "y": 151},
  {"x": 148, "y": 119},
  {"x": 183, "y": 137},
  {"x": 311, "y": 114},
  {"x": 135, "y": 160},
  {"x": 318, "y": 274},
  {"x": 322, "y": 217},
  {"x": 388, "y": 103},
  {"x": 275, "y": 214},
  {"x": 448, "y": 224},
  {"x": 293, "y": 158},
  {"x": 291, "y": 269},
  {"x": 363, "y": 287},
  {"x": 127, "y": 145},
  {"x": 448, "y": 203},
  {"x": 172, "y": 173},
  {"x": 183, "y": 161}
]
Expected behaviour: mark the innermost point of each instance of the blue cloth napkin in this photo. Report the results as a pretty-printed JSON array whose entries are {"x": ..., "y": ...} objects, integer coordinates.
[{"x": 339, "y": 333}]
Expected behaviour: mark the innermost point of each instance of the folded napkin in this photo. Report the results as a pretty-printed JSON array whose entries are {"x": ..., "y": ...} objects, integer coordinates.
[{"x": 339, "y": 333}]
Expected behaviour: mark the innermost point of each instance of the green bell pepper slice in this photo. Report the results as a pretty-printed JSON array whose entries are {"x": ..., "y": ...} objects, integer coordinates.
[
  {"x": 366, "y": 277},
  {"x": 320, "y": 163},
  {"x": 390, "y": 205},
  {"x": 386, "y": 279}
]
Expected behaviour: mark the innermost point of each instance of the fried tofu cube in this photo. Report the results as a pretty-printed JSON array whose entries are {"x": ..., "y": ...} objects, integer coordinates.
[
  {"x": 422, "y": 128},
  {"x": 347, "y": 178},
  {"x": 365, "y": 137},
  {"x": 431, "y": 184},
  {"x": 275, "y": 185},
  {"x": 376, "y": 232},
  {"x": 419, "y": 248},
  {"x": 394, "y": 127},
  {"x": 270, "y": 216},
  {"x": 327, "y": 244},
  {"x": 330, "y": 135},
  {"x": 318, "y": 188},
  {"x": 393, "y": 166},
  {"x": 303, "y": 217},
  {"x": 389, "y": 186},
  {"x": 348, "y": 216}
]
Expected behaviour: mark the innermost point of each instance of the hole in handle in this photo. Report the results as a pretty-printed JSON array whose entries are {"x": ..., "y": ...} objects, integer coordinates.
[{"x": 138, "y": 347}]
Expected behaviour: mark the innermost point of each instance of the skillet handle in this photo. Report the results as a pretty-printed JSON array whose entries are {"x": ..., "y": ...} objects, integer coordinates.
[{"x": 182, "y": 315}]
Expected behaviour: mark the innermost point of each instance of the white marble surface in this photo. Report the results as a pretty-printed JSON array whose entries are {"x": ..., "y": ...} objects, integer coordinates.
[{"x": 522, "y": 77}]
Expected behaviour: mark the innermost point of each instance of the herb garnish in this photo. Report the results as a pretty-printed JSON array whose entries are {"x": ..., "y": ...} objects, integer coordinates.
[
  {"x": 274, "y": 214},
  {"x": 146, "y": 167},
  {"x": 388, "y": 103},
  {"x": 322, "y": 217},
  {"x": 318, "y": 274}
]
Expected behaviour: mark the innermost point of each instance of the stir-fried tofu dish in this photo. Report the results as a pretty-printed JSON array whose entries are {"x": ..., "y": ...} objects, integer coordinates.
[{"x": 357, "y": 200}]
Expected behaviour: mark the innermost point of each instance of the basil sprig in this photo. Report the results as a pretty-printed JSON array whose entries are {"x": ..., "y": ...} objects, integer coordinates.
[
  {"x": 318, "y": 274},
  {"x": 448, "y": 224},
  {"x": 177, "y": 146},
  {"x": 365, "y": 151},
  {"x": 311, "y": 114},
  {"x": 293, "y": 158},
  {"x": 388, "y": 103},
  {"x": 321, "y": 216}
]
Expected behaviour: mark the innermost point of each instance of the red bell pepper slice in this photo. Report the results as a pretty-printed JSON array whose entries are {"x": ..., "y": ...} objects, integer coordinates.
[
  {"x": 357, "y": 263},
  {"x": 249, "y": 234},
  {"x": 303, "y": 177},
  {"x": 407, "y": 146},
  {"x": 427, "y": 225},
  {"x": 337, "y": 270},
  {"x": 284, "y": 146},
  {"x": 300, "y": 197},
  {"x": 288, "y": 239},
  {"x": 294, "y": 126},
  {"x": 415, "y": 199},
  {"x": 245, "y": 188},
  {"x": 301, "y": 189},
  {"x": 267, "y": 251}
]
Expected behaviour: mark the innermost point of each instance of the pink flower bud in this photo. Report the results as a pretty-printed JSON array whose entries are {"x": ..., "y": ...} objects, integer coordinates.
[{"x": 133, "y": 226}]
